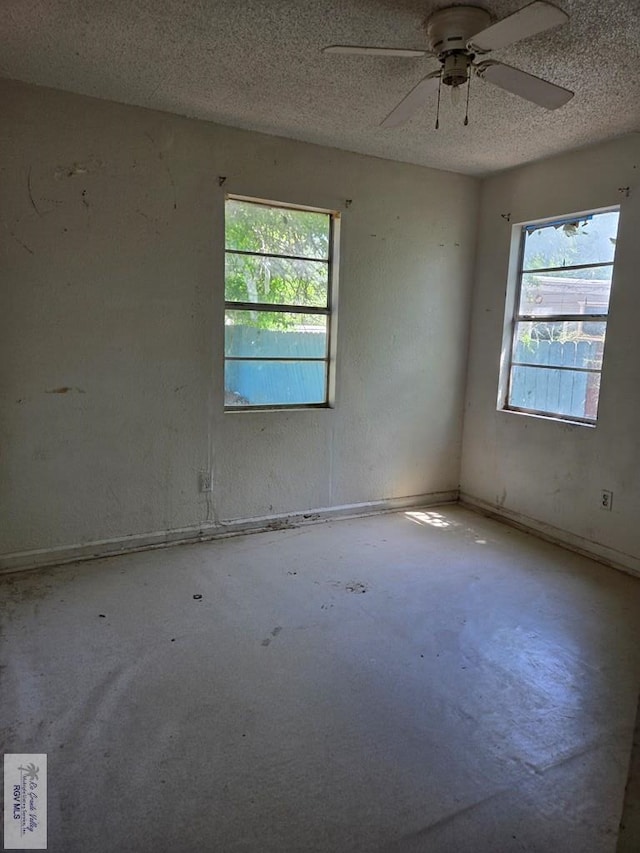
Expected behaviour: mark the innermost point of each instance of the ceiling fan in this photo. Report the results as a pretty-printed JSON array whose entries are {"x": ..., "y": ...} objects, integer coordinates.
[{"x": 458, "y": 35}]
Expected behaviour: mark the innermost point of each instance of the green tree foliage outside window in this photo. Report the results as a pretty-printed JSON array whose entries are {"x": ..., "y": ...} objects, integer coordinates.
[{"x": 288, "y": 262}]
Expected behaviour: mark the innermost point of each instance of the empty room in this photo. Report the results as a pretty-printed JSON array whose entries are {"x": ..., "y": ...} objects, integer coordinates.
[{"x": 320, "y": 426}]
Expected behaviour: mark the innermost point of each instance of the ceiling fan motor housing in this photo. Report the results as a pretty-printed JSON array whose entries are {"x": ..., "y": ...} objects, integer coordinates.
[{"x": 449, "y": 30}]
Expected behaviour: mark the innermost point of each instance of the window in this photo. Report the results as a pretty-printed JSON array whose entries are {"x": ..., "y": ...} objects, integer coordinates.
[
  {"x": 560, "y": 318},
  {"x": 279, "y": 290}
]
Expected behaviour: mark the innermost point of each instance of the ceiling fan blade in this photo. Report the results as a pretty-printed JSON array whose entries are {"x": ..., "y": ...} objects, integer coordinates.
[
  {"x": 353, "y": 49},
  {"x": 525, "y": 85},
  {"x": 529, "y": 21},
  {"x": 411, "y": 102}
]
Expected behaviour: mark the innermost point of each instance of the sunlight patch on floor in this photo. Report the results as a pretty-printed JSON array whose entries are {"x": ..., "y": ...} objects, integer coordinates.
[{"x": 435, "y": 519}]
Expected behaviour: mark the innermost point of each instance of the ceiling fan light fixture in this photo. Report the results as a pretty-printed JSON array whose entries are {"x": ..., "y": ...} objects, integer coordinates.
[{"x": 455, "y": 69}]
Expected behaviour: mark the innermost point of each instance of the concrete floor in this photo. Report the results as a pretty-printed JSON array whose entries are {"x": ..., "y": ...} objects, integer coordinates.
[{"x": 425, "y": 681}]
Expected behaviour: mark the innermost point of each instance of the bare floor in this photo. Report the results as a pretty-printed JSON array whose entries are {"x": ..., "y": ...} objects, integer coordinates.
[{"x": 424, "y": 681}]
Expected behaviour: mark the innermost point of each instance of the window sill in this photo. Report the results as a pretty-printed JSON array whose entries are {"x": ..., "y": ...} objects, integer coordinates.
[
  {"x": 303, "y": 407},
  {"x": 553, "y": 418}
]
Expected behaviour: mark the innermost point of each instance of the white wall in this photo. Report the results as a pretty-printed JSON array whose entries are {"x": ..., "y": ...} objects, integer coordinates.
[
  {"x": 112, "y": 287},
  {"x": 542, "y": 472}
]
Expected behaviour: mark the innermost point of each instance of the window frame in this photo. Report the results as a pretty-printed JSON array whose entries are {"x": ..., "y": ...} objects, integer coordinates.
[
  {"x": 329, "y": 311},
  {"x": 516, "y": 317}
]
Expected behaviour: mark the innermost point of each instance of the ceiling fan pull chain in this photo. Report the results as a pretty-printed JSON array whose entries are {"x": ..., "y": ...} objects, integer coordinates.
[
  {"x": 466, "y": 115},
  {"x": 438, "y": 107}
]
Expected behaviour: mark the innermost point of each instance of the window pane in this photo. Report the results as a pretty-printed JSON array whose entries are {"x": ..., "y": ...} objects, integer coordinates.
[
  {"x": 571, "y": 242},
  {"x": 555, "y": 392},
  {"x": 269, "y": 383},
  {"x": 276, "y": 230},
  {"x": 572, "y": 292},
  {"x": 266, "y": 334},
  {"x": 560, "y": 344},
  {"x": 252, "y": 278}
]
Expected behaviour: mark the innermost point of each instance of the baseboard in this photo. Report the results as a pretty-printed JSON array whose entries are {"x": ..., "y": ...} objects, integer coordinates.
[
  {"x": 47, "y": 557},
  {"x": 586, "y": 547}
]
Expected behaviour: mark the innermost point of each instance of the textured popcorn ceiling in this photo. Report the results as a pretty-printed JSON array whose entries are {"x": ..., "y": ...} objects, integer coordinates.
[{"x": 257, "y": 64}]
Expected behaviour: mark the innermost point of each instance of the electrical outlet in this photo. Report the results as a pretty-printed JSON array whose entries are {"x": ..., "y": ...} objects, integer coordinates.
[
  {"x": 205, "y": 481},
  {"x": 606, "y": 499}
]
